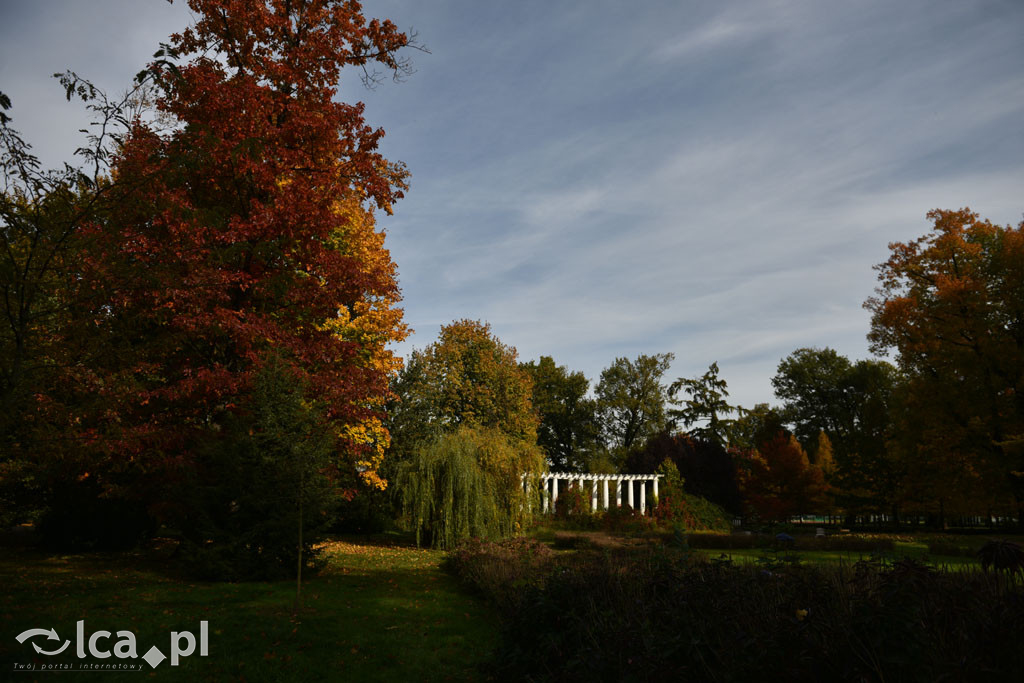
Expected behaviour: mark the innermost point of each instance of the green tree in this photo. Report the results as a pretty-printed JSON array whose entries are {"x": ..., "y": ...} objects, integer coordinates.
[
  {"x": 814, "y": 388},
  {"x": 467, "y": 483},
  {"x": 705, "y": 403},
  {"x": 256, "y": 508},
  {"x": 467, "y": 377},
  {"x": 755, "y": 425},
  {"x": 568, "y": 430},
  {"x": 853, "y": 403},
  {"x": 631, "y": 401}
]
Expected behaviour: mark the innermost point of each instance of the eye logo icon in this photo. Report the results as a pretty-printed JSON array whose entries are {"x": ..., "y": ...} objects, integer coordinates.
[{"x": 50, "y": 635}]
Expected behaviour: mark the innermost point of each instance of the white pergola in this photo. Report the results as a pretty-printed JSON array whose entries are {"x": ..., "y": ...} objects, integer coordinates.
[{"x": 631, "y": 483}]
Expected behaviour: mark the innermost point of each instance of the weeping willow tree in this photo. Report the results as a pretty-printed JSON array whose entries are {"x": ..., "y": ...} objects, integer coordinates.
[{"x": 467, "y": 483}]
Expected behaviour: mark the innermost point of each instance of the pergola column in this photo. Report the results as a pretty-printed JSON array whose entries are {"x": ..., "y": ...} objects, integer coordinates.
[
  {"x": 618, "y": 492},
  {"x": 554, "y": 492},
  {"x": 605, "y": 484},
  {"x": 629, "y": 497},
  {"x": 656, "y": 488},
  {"x": 593, "y": 495},
  {"x": 643, "y": 496}
]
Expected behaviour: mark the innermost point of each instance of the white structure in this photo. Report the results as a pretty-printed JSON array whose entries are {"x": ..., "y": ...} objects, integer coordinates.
[{"x": 552, "y": 482}]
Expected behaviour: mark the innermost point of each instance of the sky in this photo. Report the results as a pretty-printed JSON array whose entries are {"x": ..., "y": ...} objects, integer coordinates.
[{"x": 603, "y": 179}]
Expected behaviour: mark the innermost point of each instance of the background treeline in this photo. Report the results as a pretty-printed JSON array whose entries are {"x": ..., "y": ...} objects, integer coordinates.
[{"x": 935, "y": 437}]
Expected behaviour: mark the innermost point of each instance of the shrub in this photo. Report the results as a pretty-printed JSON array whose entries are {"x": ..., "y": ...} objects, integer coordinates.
[
  {"x": 626, "y": 519},
  {"x": 1002, "y": 555},
  {"x": 500, "y": 570},
  {"x": 572, "y": 502},
  {"x": 661, "y": 615},
  {"x": 675, "y": 507}
]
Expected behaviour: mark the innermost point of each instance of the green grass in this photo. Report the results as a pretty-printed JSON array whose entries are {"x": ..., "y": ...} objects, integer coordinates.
[
  {"x": 906, "y": 545},
  {"x": 378, "y": 612},
  {"x": 743, "y": 556}
]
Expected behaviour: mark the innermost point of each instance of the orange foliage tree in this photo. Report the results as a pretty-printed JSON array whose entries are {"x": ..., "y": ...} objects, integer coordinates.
[
  {"x": 253, "y": 236},
  {"x": 951, "y": 304},
  {"x": 779, "y": 481}
]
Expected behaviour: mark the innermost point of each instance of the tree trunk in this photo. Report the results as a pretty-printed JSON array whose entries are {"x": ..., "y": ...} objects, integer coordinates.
[{"x": 298, "y": 571}]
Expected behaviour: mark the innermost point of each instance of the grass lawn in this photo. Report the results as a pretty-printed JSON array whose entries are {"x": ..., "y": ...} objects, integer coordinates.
[
  {"x": 743, "y": 555},
  {"x": 380, "y": 611}
]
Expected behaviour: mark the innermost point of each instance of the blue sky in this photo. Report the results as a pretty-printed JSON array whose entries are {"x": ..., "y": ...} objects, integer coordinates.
[{"x": 600, "y": 179}]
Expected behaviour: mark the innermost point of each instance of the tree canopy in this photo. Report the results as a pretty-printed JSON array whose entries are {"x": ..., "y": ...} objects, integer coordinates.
[
  {"x": 468, "y": 376},
  {"x": 239, "y": 234},
  {"x": 951, "y": 305},
  {"x": 569, "y": 431},
  {"x": 705, "y": 408},
  {"x": 631, "y": 400}
]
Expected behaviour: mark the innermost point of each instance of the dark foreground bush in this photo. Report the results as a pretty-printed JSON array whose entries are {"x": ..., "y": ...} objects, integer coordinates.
[
  {"x": 501, "y": 570},
  {"x": 660, "y": 615}
]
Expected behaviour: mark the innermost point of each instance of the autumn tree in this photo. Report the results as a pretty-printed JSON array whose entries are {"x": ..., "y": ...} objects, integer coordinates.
[
  {"x": 705, "y": 405},
  {"x": 244, "y": 233},
  {"x": 467, "y": 377},
  {"x": 568, "y": 432},
  {"x": 631, "y": 400},
  {"x": 951, "y": 305},
  {"x": 49, "y": 337},
  {"x": 779, "y": 480},
  {"x": 853, "y": 404}
]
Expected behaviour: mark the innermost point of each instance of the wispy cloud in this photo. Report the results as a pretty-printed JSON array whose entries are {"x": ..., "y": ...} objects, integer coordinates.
[{"x": 600, "y": 179}]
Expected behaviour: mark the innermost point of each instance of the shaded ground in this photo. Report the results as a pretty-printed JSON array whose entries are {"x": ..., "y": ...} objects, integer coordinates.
[{"x": 380, "y": 611}]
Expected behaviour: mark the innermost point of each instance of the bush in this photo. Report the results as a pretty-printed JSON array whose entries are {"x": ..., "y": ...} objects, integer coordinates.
[
  {"x": 663, "y": 615},
  {"x": 1002, "y": 556},
  {"x": 572, "y": 502},
  {"x": 626, "y": 519},
  {"x": 500, "y": 570},
  {"x": 675, "y": 507}
]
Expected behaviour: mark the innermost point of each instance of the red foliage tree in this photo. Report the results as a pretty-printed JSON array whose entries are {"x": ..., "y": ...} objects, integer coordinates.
[
  {"x": 254, "y": 234},
  {"x": 781, "y": 482}
]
